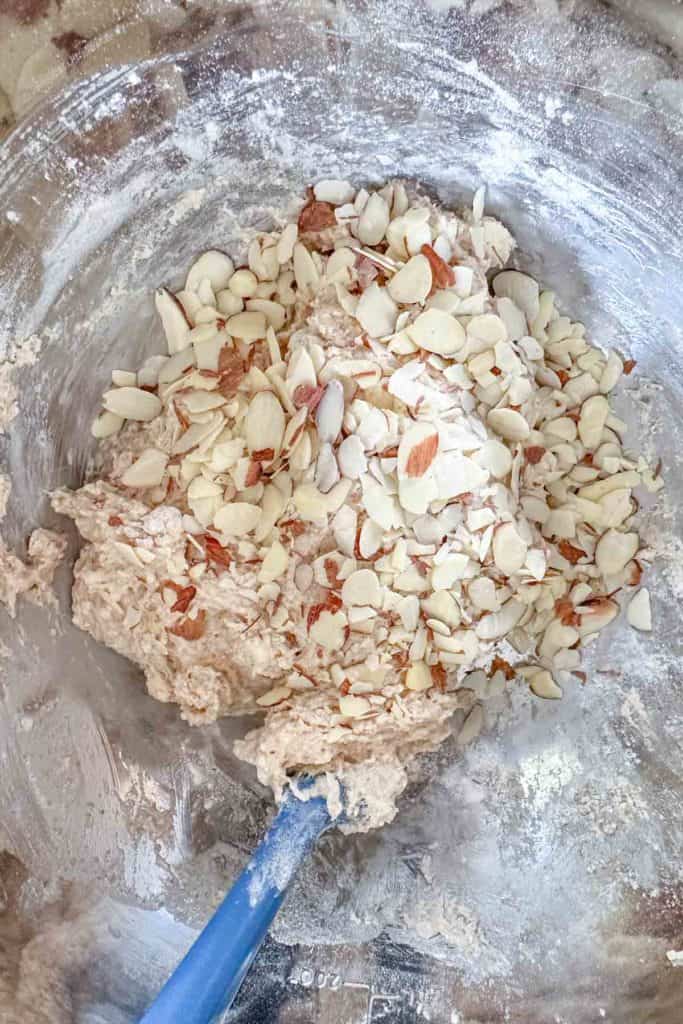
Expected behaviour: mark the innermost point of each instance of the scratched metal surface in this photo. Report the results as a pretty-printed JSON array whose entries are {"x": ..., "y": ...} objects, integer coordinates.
[{"x": 538, "y": 877}]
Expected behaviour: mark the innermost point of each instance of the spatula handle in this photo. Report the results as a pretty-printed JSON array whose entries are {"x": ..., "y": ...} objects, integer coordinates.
[{"x": 206, "y": 981}]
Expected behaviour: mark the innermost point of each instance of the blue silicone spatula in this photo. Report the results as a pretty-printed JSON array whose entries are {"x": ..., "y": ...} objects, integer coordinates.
[{"x": 206, "y": 981}]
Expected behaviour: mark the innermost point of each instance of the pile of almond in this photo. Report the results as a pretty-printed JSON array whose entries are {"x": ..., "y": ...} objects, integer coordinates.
[{"x": 373, "y": 380}]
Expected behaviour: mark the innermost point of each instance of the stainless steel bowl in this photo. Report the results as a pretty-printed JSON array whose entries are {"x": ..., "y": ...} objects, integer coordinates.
[{"x": 536, "y": 878}]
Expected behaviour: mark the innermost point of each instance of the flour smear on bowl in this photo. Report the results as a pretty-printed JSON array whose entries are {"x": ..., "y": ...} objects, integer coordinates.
[{"x": 376, "y": 479}]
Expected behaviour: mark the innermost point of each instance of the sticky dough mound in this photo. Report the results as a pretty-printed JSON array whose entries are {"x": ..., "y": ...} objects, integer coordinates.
[{"x": 357, "y": 473}]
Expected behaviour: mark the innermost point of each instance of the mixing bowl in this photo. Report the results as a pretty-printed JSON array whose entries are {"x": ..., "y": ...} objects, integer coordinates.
[{"x": 534, "y": 877}]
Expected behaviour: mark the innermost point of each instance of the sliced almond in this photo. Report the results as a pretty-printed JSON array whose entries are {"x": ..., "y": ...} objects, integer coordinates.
[
  {"x": 264, "y": 424},
  {"x": 237, "y": 519},
  {"x": 364, "y": 372},
  {"x": 272, "y": 507},
  {"x": 277, "y": 695},
  {"x": 509, "y": 549},
  {"x": 614, "y": 550},
  {"x": 482, "y": 593},
  {"x": 213, "y": 266},
  {"x": 249, "y": 326},
  {"x": 639, "y": 612},
  {"x": 178, "y": 364},
  {"x": 300, "y": 370},
  {"x": 373, "y": 221},
  {"x": 305, "y": 270},
  {"x": 106, "y": 424},
  {"x": 147, "y": 470},
  {"x": 443, "y": 607},
  {"x": 457, "y": 474},
  {"x": 594, "y": 413},
  {"x": 301, "y": 455},
  {"x": 173, "y": 320},
  {"x": 613, "y": 370},
  {"x": 376, "y": 311},
  {"x": 417, "y": 450},
  {"x": 498, "y": 624},
  {"x": 352, "y": 706},
  {"x": 329, "y": 630},
  {"x": 228, "y": 303},
  {"x": 274, "y": 312},
  {"x": 543, "y": 685},
  {"x": 597, "y": 614},
  {"x": 416, "y": 494},
  {"x": 362, "y": 588},
  {"x": 310, "y": 503},
  {"x": 344, "y": 527},
  {"x": 487, "y": 327},
  {"x": 124, "y": 378},
  {"x": 294, "y": 430},
  {"x": 508, "y": 423},
  {"x": 413, "y": 282},
  {"x": 436, "y": 331},
  {"x": 330, "y": 412},
  {"x": 351, "y": 457},
  {"x": 326, "y": 469},
  {"x": 419, "y": 677},
  {"x": 132, "y": 404},
  {"x": 243, "y": 283},
  {"x": 452, "y": 568},
  {"x": 333, "y": 190},
  {"x": 521, "y": 288},
  {"x": 495, "y": 457},
  {"x": 274, "y": 564},
  {"x": 370, "y": 539},
  {"x": 596, "y": 491}
]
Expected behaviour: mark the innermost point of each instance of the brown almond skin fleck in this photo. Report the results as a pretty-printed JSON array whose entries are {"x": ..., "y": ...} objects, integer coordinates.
[
  {"x": 442, "y": 275},
  {"x": 316, "y": 216},
  {"x": 190, "y": 629},
  {"x": 570, "y": 552}
]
